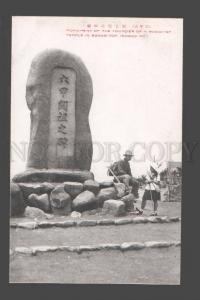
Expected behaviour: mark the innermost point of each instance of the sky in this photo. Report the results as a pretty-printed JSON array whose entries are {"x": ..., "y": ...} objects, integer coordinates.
[{"x": 137, "y": 86}]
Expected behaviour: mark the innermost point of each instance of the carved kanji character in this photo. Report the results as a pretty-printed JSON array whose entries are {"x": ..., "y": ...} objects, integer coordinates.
[
  {"x": 64, "y": 79},
  {"x": 63, "y": 91},
  {"x": 62, "y": 105},
  {"x": 62, "y": 129},
  {"x": 62, "y": 116},
  {"x": 62, "y": 142}
]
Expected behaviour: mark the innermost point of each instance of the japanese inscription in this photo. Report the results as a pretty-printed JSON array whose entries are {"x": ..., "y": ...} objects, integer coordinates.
[
  {"x": 62, "y": 105},
  {"x": 62, "y": 118}
]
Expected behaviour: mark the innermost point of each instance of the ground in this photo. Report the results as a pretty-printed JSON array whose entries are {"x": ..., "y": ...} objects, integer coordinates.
[{"x": 147, "y": 266}]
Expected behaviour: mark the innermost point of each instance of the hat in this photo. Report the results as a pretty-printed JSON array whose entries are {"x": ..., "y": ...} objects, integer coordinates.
[
  {"x": 128, "y": 153},
  {"x": 154, "y": 168}
]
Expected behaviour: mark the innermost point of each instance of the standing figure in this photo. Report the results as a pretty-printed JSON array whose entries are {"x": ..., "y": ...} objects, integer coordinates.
[{"x": 152, "y": 191}]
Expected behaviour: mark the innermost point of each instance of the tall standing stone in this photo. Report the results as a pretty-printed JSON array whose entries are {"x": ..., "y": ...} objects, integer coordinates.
[{"x": 59, "y": 96}]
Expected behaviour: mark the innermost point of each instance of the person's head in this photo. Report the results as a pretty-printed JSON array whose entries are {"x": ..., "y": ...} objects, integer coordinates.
[{"x": 128, "y": 155}]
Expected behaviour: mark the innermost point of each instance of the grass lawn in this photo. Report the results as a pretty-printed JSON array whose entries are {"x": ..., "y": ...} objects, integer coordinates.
[
  {"x": 75, "y": 236},
  {"x": 148, "y": 266}
]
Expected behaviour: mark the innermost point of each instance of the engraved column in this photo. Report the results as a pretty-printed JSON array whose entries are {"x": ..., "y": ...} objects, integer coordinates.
[{"x": 62, "y": 119}]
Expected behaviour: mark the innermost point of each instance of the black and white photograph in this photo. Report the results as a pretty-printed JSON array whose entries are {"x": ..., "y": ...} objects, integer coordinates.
[{"x": 96, "y": 150}]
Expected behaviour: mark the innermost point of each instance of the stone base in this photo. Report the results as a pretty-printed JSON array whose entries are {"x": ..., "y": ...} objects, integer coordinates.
[
  {"x": 53, "y": 175},
  {"x": 62, "y": 191}
]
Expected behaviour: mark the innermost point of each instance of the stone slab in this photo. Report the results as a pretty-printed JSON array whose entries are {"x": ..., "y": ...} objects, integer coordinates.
[{"x": 52, "y": 175}]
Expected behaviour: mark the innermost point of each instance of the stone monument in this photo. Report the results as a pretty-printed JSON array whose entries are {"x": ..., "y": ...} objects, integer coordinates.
[
  {"x": 59, "y": 95},
  {"x": 58, "y": 178}
]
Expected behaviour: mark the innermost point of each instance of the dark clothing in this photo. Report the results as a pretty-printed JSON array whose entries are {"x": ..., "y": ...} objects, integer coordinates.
[
  {"x": 123, "y": 172},
  {"x": 151, "y": 195},
  {"x": 123, "y": 167}
]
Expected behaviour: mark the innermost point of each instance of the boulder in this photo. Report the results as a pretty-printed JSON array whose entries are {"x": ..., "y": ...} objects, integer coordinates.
[
  {"x": 73, "y": 188},
  {"x": 123, "y": 221},
  {"x": 92, "y": 212},
  {"x": 65, "y": 224},
  {"x": 160, "y": 244},
  {"x": 46, "y": 187},
  {"x": 80, "y": 249},
  {"x": 128, "y": 201},
  {"x": 60, "y": 201},
  {"x": 30, "y": 188},
  {"x": 39, "y": 201},
  {"x": 153, "y": 219},
  {"x": 106, "y": 222},
  {"x": 164, "y": 219},
  {"x": 92, "y": 186},
  {"x": 28, "y": 225},
  {"x": 23, "y": 250},
  {"x": 35, "y": 213},
  {"x": 106, "y": 184},
  {"x": 87, "y": 223},
  {"x": 132, "y": 246},
  {"x": 36, "y": 249},
  {"x": 174, "y": 219},
  {"x": 114, "y": 207},
  {"x": 110, "y": 246},
  {"x": 75, "y": 214},
  {"x": 84, "y": 201},
  {"x": 106, "y": 194},
  {"x": 176, "y": 244},
  {"x": 17, "y": 204},
  {"x": 140, "y": 220}
]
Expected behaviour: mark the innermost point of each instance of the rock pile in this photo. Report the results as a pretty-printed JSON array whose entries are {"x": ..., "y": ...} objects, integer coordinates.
[{"x": 64, "y": 198}]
